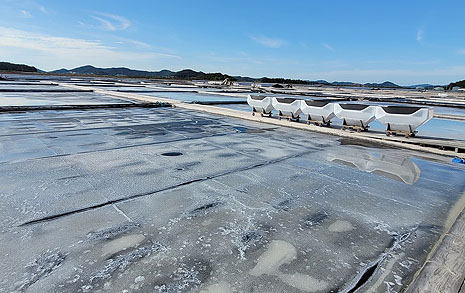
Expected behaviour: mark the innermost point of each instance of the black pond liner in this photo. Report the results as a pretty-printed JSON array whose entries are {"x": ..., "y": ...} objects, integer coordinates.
[
  {"x": 172, "y": 154},
  {"x": 285, "y": 100},
  {"x": 259, "y": 98},
  {"x": 317, "y": 103},
  {"x": 357, "y": 107},
  {"x": 400, "y": 109}
]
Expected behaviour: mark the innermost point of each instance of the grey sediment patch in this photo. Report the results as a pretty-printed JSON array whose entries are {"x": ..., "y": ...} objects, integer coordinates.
[
  {"x": 112, "y": 232},
  {"x": 251, "y": 240},
  {"x": 40, "y": 267},
  {"x": 283, "y": 205},
  {"x": 248, "y": 236},
  {"x": 118, "y": 263},
  {"x": 188, "y": 165},
  {"x": 149, "y": 172},
  {"x": 131, "y": 164},
  {"x": 204, "y": 208},
  {"x": 188, "y": 275},
  {"x": 228, "y": 155},
  {"x": 315, "y": 219}
]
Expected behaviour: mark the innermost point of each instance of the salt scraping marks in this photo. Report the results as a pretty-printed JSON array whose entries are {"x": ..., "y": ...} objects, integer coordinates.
[
  {"x": 39, "y": 268},
  {"x": 280, "y": 252}
]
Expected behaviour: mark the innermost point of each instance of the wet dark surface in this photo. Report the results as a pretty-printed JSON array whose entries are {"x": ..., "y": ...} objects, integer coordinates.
[
  {"x": 55, "y": 97},
  {"x": 245, "y": 207}
]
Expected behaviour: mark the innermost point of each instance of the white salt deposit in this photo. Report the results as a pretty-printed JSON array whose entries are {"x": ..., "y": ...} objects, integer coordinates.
[
  {"x": 281, "y": 252},
  {"x": 278, "y": 253},
  {"x": 303, "y": 282},
  {"x": 341, "y": 226},
  {"x": 221, "y": 287}
]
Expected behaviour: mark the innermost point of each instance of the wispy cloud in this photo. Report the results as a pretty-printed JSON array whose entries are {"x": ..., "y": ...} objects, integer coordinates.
[
  {"x": 42, "y": 9},
  {"x": 419, "y": 35},
  {"x": 111, "y": 22},
  {"x": 327, "y": 46},
  {"x": 26, "y": 14},
  {"x": 50, "y": 52},
  {"x": 268, "y": 42},
  {"x": 105, "y": 24},
  {"x": 461, "y": 51},
  {"x": 139, "y": 44}
]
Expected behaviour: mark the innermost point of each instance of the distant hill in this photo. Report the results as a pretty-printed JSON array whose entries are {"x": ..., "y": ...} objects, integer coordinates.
[
  {"x": 115, "y": 71},
  {"x": 189, "y": 74},
  {"x": 123, "y": 71},
  {"x": 386, "y": 84},
  {"x": 457, "y": 83},
  {"x": 320, "y": 81},
  {"x": 344, "y": 83},
  {"x": 7, "y": 66},
  {"x": 423, "y": 85}
]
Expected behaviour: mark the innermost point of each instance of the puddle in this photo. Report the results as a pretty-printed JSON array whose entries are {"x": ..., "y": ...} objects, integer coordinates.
[{"x": 122, "y": 243}]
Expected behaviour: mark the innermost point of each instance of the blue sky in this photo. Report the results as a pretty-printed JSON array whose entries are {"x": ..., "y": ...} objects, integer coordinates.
[{"x": 406, "y": 42}]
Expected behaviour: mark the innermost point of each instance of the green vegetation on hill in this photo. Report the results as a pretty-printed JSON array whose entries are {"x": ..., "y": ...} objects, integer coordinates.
[
  {"x": 283, "y": 80},
  {"x": 457, "y": 83},
  {"x": 386, "y": 84},
  {"x": 6, "y": 66},
  {"x": 187, "y": 74}
]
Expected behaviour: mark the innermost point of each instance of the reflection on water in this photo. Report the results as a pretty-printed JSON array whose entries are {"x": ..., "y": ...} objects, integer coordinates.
[{"x": 395, "y": 166}]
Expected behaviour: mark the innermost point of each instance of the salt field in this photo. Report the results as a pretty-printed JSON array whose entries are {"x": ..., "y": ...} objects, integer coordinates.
[
  {"x": 195, "y": 97},
  {"x": 232, "y": 147},
  {"x": 56, "y": 98},
  {"x": 169, "y": 199}
]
